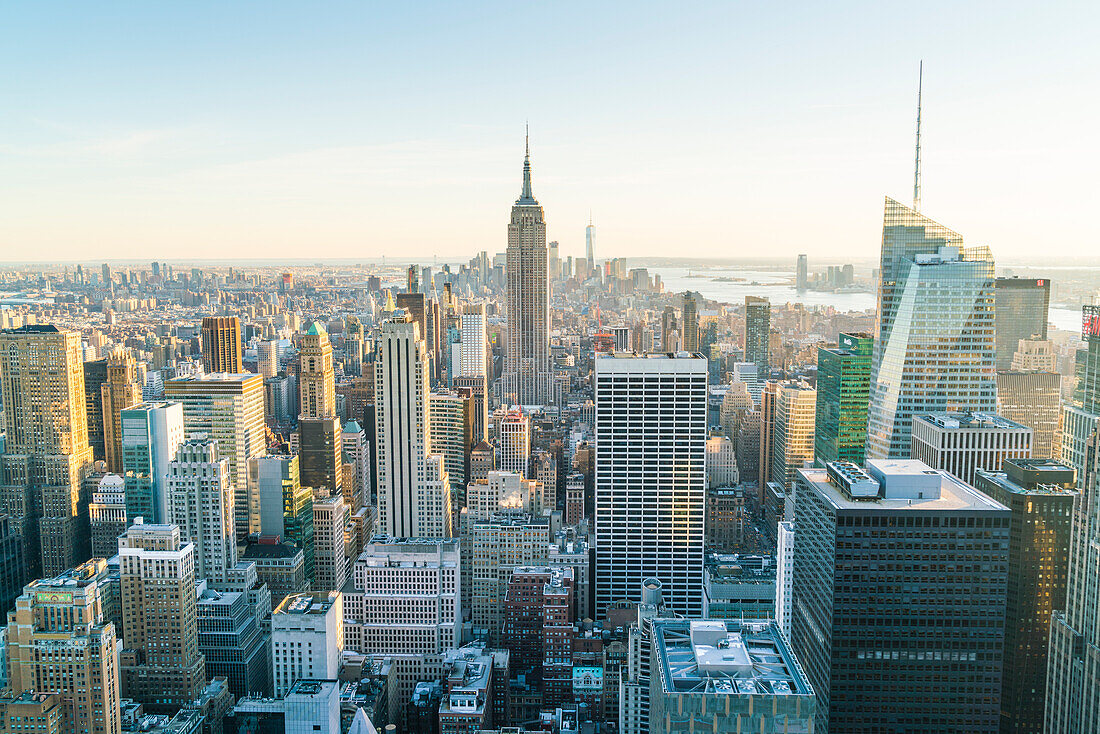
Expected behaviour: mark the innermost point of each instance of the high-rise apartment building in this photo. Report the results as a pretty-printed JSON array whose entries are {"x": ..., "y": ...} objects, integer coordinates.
[
  {"x": 690, "y": 339},
  {"x": 58, "y": 640},
  {"x": 650, "y": 476},
  {"x": 401, "y": 420},
  {"x": 316, "y": 374},
  {"x": 221, "y": 344},
  {"x": 928, "y": 632},
  {"x": 161, "y": 665},
  {"x": 307, "y": 637},
  {"x": 286, "y": 507},
  {"x": 843, "y": 390},
  {"x": 513, "y": 440},
  {"x": 1021, "y": 306},
  {"x": 934, "y": 345},
  {"x": 151, "y": 434},
  {"x": 229, "y": 409},
  {"x": 1041, "y": 495},
  {"x": 758, "y": 328},
  {"x": 121, "y": 390},
  {"x": 793, "y": 433},
  {"x": 474, "y": 351},
  {"x": 962, "y": 443},
  {"x": 46, "y": 451},
  {"x": 527, "y": 376},
  {"x": 200, "y": 504}
]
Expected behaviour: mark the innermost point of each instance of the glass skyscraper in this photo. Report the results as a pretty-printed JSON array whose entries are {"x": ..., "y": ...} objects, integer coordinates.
[
  {"x": 758, "y": 324},
  {"x": 843, "y": 390},
  {"x": 1021, "y": 313},
  {"x": 934, "y": 348}
]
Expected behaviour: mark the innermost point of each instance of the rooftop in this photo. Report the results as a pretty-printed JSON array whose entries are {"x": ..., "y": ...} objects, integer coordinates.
[
  {"x": 306, "y": 603},
  {"x": 971, "y": 421},
  {"x": 726, "y": 657},
  {"x": 906, "y": 485}
]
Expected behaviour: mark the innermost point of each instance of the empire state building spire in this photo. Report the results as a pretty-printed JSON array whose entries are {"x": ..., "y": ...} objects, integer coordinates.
[{"x": 526, "y": 197}]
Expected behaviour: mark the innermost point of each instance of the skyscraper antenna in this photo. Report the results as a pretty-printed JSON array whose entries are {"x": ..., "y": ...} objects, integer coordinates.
[
  {"x": 916, "y": 167},
  {"x": 526, "y": 138}
]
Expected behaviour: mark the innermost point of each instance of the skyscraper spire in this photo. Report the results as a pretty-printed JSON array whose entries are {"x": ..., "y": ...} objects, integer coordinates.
[
  {"x": 916, "y": 168},
  {"x": 526, "y": 196}
]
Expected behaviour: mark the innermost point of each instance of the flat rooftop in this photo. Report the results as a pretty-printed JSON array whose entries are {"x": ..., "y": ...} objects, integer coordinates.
[
  {"x": 306, "y": 603},
  {"x": 1004, "y": 482},
  {"x": 726, "y": 657},
  {"x": 954, "y": 495},
  {"x": 971, "y": 421}
]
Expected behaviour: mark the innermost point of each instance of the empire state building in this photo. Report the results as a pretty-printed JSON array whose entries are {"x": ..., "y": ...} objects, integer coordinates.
[{"x": 527, "y": 378}]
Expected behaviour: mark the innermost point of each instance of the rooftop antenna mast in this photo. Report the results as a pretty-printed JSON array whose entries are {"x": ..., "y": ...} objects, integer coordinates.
[{"x": 916, "y": 168}]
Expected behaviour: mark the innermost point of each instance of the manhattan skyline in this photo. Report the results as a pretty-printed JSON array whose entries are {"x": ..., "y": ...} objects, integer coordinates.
[{"x": 132, "y": 132}]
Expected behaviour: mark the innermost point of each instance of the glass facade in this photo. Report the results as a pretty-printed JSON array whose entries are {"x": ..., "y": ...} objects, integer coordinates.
[
  {"x": 758, "y": 325},
  {"x": 934, "y": 350},
  {"x": 843, "y": 391},
  {"x": 1021, "y": 306}
]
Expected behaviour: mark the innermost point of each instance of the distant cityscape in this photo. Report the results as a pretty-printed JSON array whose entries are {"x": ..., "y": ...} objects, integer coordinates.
[{"x": 538, "y": 492}]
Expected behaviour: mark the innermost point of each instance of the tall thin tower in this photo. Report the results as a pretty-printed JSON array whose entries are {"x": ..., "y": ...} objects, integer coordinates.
[
  {"x": 916, "y": 164},
  {"x": 589, "y": 243},
  {"x": 527, "y": 376}
]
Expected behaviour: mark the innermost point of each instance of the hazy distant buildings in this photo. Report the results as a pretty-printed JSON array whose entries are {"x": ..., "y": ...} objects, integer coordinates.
[
  {"x": 650, "y": 477},
  {"x": 801, "y": 276},
  {"x": 934, "y": 349},
  {"x": 690, "y": 315}
]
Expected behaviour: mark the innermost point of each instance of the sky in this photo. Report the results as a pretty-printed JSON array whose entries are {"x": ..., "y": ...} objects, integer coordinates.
[{"x": 736, "y": 129}]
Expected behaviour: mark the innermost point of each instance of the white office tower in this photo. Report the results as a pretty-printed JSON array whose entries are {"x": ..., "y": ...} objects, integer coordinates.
[
  {"x": 330, "y": 516},
  {"x": 200, "y": 502},
  {"x": 403, "y": 602},
  {"x": 721, "y": 462},
  {"x": 964, "y": 442},
  {"x": 527, "y": 378},
  {"x": 474, "y": 351},
  {"x": 650, "y": 477},
  {"x": 502, "y": 491},
  {"x": 307, "y": 637},
  {"x": 401, "y": 416},
  {"x": 749, "y": 373},
  {"x": 267, "y": 358},
  {"x": 784, "y": 570},
  {"x": 513, "y": 441},
  {"x": 935, "y": 331},
  {"x": 433, "y": 500}
]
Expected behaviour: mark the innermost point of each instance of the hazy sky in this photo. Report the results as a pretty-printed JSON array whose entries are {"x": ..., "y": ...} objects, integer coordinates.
[{"x": 735, "y": 129}]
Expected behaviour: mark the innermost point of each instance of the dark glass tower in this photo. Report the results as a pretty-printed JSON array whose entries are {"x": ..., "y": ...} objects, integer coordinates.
[
  {"x": 843, "y": 389},
  {"x": 1020, "y": 306}
]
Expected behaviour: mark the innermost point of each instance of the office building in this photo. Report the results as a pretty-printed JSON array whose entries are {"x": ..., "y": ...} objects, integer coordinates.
[
  {"x": 793, "y": 432},
  {"x": 908, "y": 640},
  {"x": 801, "y": 274},
  {"x": 690, "y": 314},
  {"x": 160, "y": 663},
  {"x": 513, "y": 440},
  {"x": 417, "y": 578},
  {"x": 46, "y": 450},
  {"x": 33, "y": 713},
  {"x": 650, "y": 476},
  {"x": 784, "y": 573},
  {"x": 58, "y": 640},
  {"x": 758, "y": 318},
  {"x": 474, "y": 351},
  {"x": 739, "y": 586},
  {"x": 316, "y": 375},
  {"x": 321, "y": 453},
  {"x": 495, "y": 546},
  {"x": 330, "y": 554},
  {"x": 670, "y": 331},
  {"x": 267, "y": 358},
  {"x": 964, "y": 442},
  {"x": 527, "y": 378},
  {"x": 933, "y": 352},
  {"x": 1034, "y": 355},
  {"x": 401, "y": 417},
  {"x": 281, "y": 566},
  {"x": 200, "y": 504},
  {"x": 307, "y": 637},
  {"x": 1021, "y": 306},
  {"x": 95, "y": 374},
  {"x": 539, "y": 614},
  {"x": 151, "y": 434},
  {"x": 229, "y": 409},
  {"x": 107, "y": 514},
  {"x": 221, "y": 344},
  {"x": 1034, "y": 399},
  {"x": 450, "y": 432},
  {"x": 726, "y": 676},
  {"x": 843, "y": 391},
  {"x": 121, "y": 390},
  {"x": 434, "y": 511},
  {"x": 1041, "y": 495},
  {"x": 286, "y": 507},
  {"x": 358, "y": 456},
  {"x": 231, "y": 641}
]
